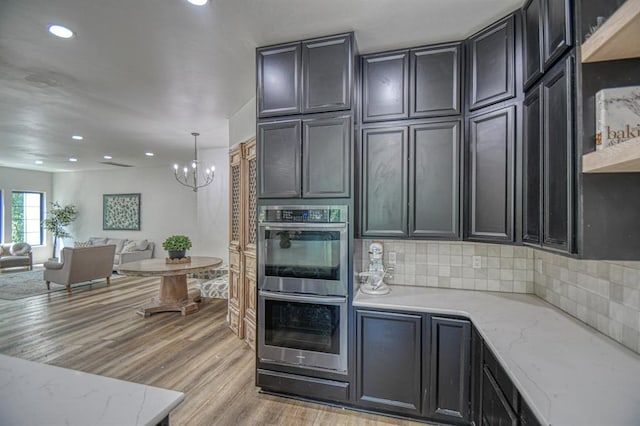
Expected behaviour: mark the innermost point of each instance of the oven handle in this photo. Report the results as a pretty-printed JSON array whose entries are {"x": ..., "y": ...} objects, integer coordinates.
[
  {"x": 302, "y": 298},
  {"x": 299, "y": 225}
]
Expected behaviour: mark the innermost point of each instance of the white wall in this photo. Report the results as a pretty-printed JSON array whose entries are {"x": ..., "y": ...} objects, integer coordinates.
[
  {"x": 167, "y": 208},
  {"x": 242, "y": 124},
  {"x": 24, "y": 180},
  {"x": 212, "y": 238}
]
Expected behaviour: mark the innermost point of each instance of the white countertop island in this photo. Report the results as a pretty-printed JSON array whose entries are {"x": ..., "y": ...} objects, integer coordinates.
[
  {"x": 39, "y": 394},
  {"x": 568, "y": 373}
]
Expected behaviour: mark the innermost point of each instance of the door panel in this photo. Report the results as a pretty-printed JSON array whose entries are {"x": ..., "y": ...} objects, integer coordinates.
[
  {"x": 278, "y": 75},
  {"x": 532, "y": 35},
  {"x": 435, "y": 81},
  {"x": 384, "y": 182},
  {"x": 556, "y": 33},
  {"x": 491, "y": 175},
  {"x": 434, "y": 180},
  {"x": 385, "y": 86},
  {"x": 531, "y": 178},
  {"x": 279, "y": 159}
]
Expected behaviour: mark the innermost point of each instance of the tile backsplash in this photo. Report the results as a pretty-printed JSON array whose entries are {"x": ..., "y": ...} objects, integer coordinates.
[
  {"x": 602, "y": 294},
  {"x": 450, "y": 264}
]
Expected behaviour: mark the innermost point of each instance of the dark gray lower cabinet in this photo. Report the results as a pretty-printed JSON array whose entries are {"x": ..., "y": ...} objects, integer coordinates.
[
  {"x": 389, "y": 349},
  {"x": 384, "y": 181},
  {"x": 495, "y": 408},
  {"x": 448, "y": 397},
  {"x": 414, "y": 364},
  {"x": 491, "y": 176}
]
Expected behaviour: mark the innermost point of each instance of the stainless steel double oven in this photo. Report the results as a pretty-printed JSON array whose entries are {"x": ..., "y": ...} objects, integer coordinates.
[{"x": 303, "y": 286}]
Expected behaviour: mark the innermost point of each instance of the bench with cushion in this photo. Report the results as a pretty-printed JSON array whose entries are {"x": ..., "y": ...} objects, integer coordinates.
[{"x": 15, "y": 255}]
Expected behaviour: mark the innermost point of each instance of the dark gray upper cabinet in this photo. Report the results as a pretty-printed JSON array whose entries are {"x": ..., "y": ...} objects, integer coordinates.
[
  {"x": 556, "y": 30},
  {"x": 491, "y": 176},
  {"x": 385, "y": 86},
  {"x": 384, "y": 181},
  {"x": 435, "y": 81},
  {"x": 326, "y": 157},
  {"x": 389, "y": 349},
  {"x": 492, "y": 64},
  {"x": 278, "y": 74},
  {"x": 434, "y": 180},
  {"x": 531, "y": 178},
  {"x": 303, "y": 77},
  {"x": 327, "y": 70},
  {"x": 532, "y": 42},
  {"x": 279, "y": 159},
  {"x": 450, "y": 370},
  {"x": 309, "y": 158},
  {"x": 558, "y": 110}
]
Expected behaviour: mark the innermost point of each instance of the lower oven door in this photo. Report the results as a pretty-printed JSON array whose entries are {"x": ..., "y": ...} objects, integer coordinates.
[{"x": 303, "y": 331}]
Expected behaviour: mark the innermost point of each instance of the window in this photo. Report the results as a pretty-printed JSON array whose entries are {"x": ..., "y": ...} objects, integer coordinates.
[{"x": 26, "y": 217}]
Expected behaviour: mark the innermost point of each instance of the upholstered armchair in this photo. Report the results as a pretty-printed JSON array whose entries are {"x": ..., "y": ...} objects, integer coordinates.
[
  {"x": 81, "y": 264},
  {"x": 16, "y": 255}
]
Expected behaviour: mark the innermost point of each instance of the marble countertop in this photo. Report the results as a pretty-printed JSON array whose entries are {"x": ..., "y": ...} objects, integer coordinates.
[
  {"x": 567, "y": 372},
  {"x": 39, "y": 394}
]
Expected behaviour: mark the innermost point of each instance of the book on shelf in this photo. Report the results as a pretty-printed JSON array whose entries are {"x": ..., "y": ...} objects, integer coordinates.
[{"x": 617, "y": 115}]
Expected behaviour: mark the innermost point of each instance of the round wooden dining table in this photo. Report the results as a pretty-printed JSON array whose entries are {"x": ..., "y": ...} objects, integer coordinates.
[{"x": 174, "y": 295}]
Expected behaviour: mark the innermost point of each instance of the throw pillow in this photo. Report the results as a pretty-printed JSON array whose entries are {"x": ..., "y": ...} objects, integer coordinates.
[
  {"x": 97, "y": 241},
  {"x": 129, "y": 247},
  {"x": 82, "y": 244},
  {"x": 141, "y": 244},
  {"x": 118, "y": 242}
]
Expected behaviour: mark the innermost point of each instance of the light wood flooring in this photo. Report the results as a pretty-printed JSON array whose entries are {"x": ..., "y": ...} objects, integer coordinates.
[{"x": 96, "y": 330}]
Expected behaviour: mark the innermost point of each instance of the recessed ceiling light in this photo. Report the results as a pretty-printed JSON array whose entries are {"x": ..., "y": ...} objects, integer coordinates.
[
  {"x": 39, "y": 161},
  {"x": 107, "y": 157},
  {"x": 198, "y": 2},
  {"x": 60, "y": 31},
  {"x": 149, "y": 154},
  {"x": 77, "y": 137},
  {"x": 73, "y": 159}
]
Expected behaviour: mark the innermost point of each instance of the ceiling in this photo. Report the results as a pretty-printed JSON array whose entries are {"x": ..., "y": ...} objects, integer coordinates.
[{"x": 140, "y": 76}]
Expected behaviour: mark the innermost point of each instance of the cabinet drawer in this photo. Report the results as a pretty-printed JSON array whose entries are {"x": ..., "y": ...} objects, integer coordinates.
[
  {"x": 503, "y": 381},
  {"x": 309, "y": 387}
]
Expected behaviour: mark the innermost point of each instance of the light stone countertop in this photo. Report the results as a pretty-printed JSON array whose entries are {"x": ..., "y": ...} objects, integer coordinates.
[
  {"x": 568, "y": 373},
  {"x": 39, "y": 394}
]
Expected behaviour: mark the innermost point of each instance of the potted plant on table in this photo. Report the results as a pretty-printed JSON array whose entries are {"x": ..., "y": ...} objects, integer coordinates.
[{"x": 177, "y": 246}]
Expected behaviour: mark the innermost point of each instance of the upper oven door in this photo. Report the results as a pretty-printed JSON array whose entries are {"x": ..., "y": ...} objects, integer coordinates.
[{"x": 303, "y": 258}]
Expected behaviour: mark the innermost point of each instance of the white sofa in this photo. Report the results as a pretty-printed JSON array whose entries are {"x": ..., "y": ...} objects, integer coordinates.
[
  {"x": 126, "y": 250},
  {"x": 80, "y": 264}
]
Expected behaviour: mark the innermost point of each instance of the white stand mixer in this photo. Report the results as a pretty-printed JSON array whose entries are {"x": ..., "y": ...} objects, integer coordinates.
[{"x": 376, "y": 273}]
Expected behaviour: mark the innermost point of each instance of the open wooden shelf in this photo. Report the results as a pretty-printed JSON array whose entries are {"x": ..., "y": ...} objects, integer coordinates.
[
  {"x": 621, "y": 158},
  {"x": 617, "y": 38}
]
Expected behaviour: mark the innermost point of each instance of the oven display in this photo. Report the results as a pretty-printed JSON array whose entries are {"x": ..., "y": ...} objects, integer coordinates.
[{"x": 303, "y": 326}]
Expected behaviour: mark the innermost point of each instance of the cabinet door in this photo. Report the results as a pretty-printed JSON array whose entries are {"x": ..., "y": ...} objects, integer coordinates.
[
  {"x": 492, "y": 64},
  {"x": 449, "y": 387},
  {"x": 556, "y": 29},
  {"x": 531, "y": 25},
  {"x": 279, "y": 159},
  {"x": 389, "y": 361},
  {"x": 435, "y": 81},
  {"x": 326, "y": 164},
  {"x": 384, "y": 182},
  {"x": 558, "y": 112},
  {"x": 434, "y": 180},
  {"x": 495, "y": 408},
  {"x": 385, "y": 86},
  {"x": 278, "y": 75},
  {"x": 532, "y": 151},
  {"x": 491, "y": 175},
  {"x": 327, "y": 68}
]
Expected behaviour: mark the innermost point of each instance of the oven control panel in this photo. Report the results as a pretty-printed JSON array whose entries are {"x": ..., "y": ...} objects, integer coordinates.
[{"x": 306, "y": 214}]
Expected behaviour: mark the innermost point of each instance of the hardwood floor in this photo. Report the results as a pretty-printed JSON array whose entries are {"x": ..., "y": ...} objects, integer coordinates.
[{"x": 96, "y": 330}]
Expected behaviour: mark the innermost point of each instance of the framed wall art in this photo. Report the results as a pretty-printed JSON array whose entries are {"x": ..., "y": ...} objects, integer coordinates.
[{"x": 121, "y": 212}]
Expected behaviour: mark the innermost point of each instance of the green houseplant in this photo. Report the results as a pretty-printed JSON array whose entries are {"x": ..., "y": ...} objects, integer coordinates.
[
  {"x": 177, "y": 245},
  {"x": 57, "y": 218}
]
